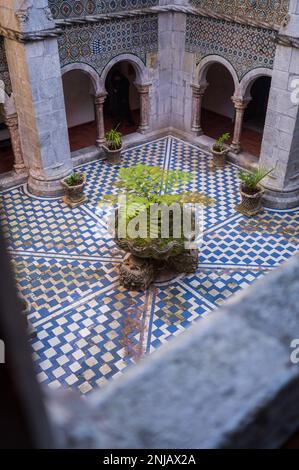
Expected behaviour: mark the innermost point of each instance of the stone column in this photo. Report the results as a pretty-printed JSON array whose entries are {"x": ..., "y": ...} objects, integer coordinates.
[
  {"x": 240, "y": 106},
  {"x": 197, "y": 95},
  {"x": 35, "y": 73},
  {"x": 144, "y": 107},
  {"x": 13, "y": 127},
  {"x": 99, "y": 106}
]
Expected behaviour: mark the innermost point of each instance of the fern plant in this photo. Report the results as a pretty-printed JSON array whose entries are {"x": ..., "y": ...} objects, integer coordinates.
[
  {"x": 251, "y": 180},
  {"x": 113, "y": 139},
  {"x": 146, "y": 185},
  {"x": 219, "y": 145}
]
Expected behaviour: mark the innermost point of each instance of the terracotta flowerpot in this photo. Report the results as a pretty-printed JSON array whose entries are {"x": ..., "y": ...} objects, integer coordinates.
[
  {"x": 112, "y": 156},
  {"x": 251, "y": 203},
  {"x": 219, "y": 158},
  {"x": 74, "y": 195}
]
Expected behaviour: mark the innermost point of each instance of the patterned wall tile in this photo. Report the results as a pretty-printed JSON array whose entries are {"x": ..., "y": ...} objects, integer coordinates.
[
  {"x": 96, "y": 44},
  {"x": 272, "y": 12},
  {"x": 245, "y": 47},
  {"x": 4, "y": 74},
  {"x": 78, "y": 8}
]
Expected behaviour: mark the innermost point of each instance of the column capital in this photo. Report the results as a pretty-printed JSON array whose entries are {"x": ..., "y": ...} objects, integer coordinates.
[
  {"x": 143, "y": 88},
  {"x": 11, "y": 121},
  {"x": 100, "y": 99},
  {"x": 240, "y": 103},
  {"x": 199, "y": 89}
]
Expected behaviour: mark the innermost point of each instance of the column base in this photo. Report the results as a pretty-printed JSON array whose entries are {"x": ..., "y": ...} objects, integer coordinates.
[
  {"x": 281, "y": 199},
  {"x": 197, "y": 131},
  {"x": 235, "y": 148},
  {"x": 143, "y": 130},
  {"x": 100, "y": 142},
  {"x": 20, "y": 169},
  {"x": 46, "y": 188}
]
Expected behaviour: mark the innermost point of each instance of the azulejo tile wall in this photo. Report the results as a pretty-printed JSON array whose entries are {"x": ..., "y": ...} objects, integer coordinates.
[
  {"x": 73, "y": 8},
  {"x": 245, "y": 47},
  {"x": 271, "y": 11},
  {"x": 95, "y": 44},
  {"x": 4, "y": 74}
]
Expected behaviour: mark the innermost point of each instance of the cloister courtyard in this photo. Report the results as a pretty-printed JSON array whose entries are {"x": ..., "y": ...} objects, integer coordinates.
[
  {"x": 89, "y": 329},
  {"x": 149, "y": 225}
]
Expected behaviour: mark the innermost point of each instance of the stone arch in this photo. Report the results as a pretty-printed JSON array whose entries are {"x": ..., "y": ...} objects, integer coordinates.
[
  {"x": 201, "y": 84},
  {"x": 97, "y": 90},
  {"x": 205, "y": 64},
  {"x": 251, "y": 107},
  {"x": 248, "y": 80},
  {"x": 142, "y": 84},
  {"x": 87, "y": 70},
  {"x": 11, "y": 120},
  {"x": 142, "y": 75}
]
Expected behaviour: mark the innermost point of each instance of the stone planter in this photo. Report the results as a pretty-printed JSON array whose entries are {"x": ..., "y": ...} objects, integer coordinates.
[
  {"x": 112, "y": 156},
  {"x": 219, "y": 158},
  {"x": 250, "y": 204},
  {"x": 146, "y": 262},
  {"x": 74, "y": 195}
]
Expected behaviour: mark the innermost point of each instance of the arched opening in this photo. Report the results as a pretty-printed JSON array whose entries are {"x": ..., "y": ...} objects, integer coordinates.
[
  {"x": 6, "y": 151},
  {"x": 79, "y": 97},
  {"x": 217, "y": 114},
  {"x": 122, "y": 104},
  {"x": 255, "y": 116}
]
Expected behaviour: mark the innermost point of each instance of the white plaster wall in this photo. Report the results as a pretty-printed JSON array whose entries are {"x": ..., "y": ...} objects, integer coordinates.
[
  {"x": 217, "y": 97},
  {"x": 78, "y": 97}
]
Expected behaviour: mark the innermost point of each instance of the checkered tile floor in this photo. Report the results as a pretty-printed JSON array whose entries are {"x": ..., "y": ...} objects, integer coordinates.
[{"x": 89, "y": 329}]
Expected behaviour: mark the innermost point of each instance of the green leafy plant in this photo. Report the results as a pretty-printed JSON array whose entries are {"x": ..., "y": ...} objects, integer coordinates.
[
  {"x": 251, "y": 180},
  {"x": 113, "y": 139},
  {"x": 219, "y": 145},
  {"x": 75, "y": 179},
  {"x": 146, "y": 185}
]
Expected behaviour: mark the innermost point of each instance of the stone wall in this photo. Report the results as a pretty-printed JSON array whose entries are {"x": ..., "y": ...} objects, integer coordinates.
[{"x": 75, "y": 9}]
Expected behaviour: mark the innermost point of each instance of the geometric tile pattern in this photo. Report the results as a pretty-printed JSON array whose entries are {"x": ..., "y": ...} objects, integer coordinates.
[
  {"x": 80, "y": 8},
  {"x": 89, "y": 328},
  {"x": 4, "y": 73},
  {"x": 206, "y": 36},
  {"x": 272, "y": 12},
  {"x": 97, "y": 43}
]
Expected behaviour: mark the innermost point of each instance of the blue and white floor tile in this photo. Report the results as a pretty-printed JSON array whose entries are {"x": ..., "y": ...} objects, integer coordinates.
[{"x": 90, "y": 329}]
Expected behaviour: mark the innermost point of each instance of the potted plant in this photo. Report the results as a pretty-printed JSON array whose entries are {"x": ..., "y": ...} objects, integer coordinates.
[
  {"x": 251, "y": 191},
  {"x": 143, "y": 188},
  {"x": 220, "y": 150},
  {"x": 73, "y": 188},
  {"x": 113, "y": 147}
]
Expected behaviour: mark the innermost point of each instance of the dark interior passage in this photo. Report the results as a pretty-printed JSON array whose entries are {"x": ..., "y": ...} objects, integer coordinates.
[
  {"x": 122, "y": 105},
  {"x": 6, "y": 153}
]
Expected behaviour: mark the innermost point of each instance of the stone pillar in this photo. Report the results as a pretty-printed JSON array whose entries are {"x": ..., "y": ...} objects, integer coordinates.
[
  {"x": 240, "y": 106},
  {"x": 280, "y": 146},
  {"x": 13, "y": 127},
  {"x": 35, "y": 73},
  {"x": 99, "y": 106},
  {"x": 144, "y": 107},
  {"x": 197, "y": 95}
]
